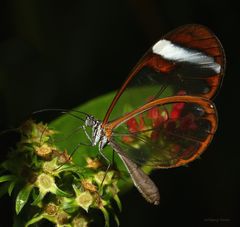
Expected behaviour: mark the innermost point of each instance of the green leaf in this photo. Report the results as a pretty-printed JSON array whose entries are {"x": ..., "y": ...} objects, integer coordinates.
[
  {"x": 34, "y": 220},
  {"x": 22, "y": 197},
  {"x": 70, "y": 168},
  {"x": 38, "y": 199},
  {"x": 7, "y": 178},
  {"x": 106, "y": 216},
  {"x": 60, "y": 192},
  {"x": 39, "y": 217},
  {"x": 119, "y": 204},
  {"x": 11, "y": 187},
  {"x": 116, "y": 219}
]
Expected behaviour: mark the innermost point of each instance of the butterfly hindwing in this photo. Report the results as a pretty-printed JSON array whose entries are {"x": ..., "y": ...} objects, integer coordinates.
[{"x": 168, "y": 132}]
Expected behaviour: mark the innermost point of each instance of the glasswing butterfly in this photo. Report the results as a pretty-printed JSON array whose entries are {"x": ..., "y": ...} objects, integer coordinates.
[{"x": 162, "y": 116}]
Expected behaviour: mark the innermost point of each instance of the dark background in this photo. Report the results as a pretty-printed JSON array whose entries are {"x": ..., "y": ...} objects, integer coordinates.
[{"x": 63, "y": 53}]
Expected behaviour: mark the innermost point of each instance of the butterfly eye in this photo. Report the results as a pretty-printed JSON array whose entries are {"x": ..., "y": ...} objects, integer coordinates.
[{"x": 90, "y": 121}]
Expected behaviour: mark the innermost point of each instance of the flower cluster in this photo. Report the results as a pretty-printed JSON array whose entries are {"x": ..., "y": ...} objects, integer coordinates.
[
  {"x": 48, "y": 185},
  {"x": 157, "y": 118},
  {"x": 168, "y": 118}
]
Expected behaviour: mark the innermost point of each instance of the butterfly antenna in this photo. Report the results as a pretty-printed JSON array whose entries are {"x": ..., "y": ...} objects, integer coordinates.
[
  {"x": 8, "y": 131},
  {"x": 63, "y": 111},
  {"x": 104, "y": 177},
  {"x": 108, "y": 167}
]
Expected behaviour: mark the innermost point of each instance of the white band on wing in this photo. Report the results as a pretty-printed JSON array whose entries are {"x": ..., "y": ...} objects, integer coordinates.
[{"x": 170, "y": 51}]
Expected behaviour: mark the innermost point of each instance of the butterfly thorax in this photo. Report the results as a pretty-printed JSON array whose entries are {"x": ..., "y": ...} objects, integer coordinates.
[{"x": 98, "y": 133}]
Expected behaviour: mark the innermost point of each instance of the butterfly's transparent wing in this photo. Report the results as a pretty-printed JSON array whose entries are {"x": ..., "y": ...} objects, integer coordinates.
[
  {"x": 166, "y": 133},
  {"x": 189, "y": 60}
]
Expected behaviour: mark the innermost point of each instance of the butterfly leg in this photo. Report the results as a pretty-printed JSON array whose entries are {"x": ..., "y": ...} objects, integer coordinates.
[
  {"x": 73, "y": 151},
  {"x": 85, "y": 131},
  {"x": 108, "y": 166}
]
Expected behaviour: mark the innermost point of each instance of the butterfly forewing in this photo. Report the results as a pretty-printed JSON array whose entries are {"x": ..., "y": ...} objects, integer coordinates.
[
  {"x": 189, "y": 59},
  {"x": 166, "y": 133}
]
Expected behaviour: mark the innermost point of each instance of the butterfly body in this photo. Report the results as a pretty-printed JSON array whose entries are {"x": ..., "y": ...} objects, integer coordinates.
[
  {"x": 149, "y": 190},
  {"x": 98, "y": 135}
]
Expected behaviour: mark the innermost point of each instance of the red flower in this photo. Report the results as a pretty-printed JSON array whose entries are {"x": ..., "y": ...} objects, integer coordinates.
[
  {"x": 133, "y": 127},
  {"x": 176, "y": 110},
  {"x": 157, "y": 116},
  {"x": 177, "y": 107},
  {"x": 154, "y": 113},
  {"x": 141, "y": 125}
]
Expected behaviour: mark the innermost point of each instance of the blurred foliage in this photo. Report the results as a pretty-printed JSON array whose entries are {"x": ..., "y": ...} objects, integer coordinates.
[{"x": 45, "y": 183}]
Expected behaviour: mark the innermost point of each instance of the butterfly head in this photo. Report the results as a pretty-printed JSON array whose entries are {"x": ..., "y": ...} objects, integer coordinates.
[{"x": 90, "y": 121}]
